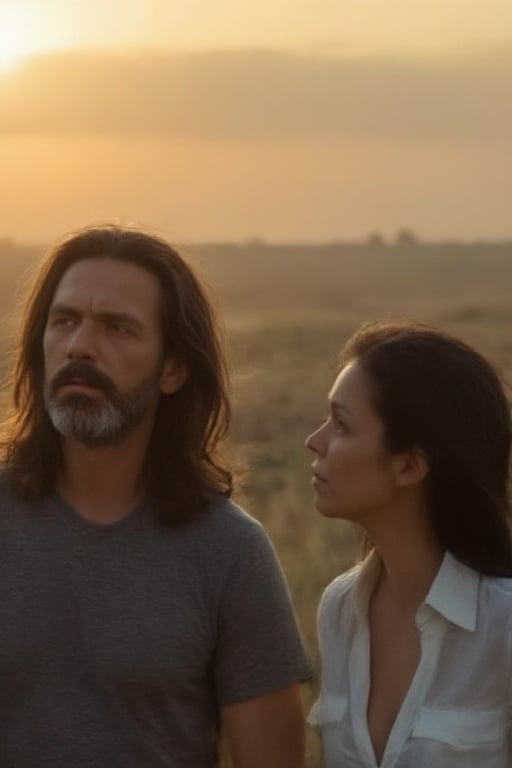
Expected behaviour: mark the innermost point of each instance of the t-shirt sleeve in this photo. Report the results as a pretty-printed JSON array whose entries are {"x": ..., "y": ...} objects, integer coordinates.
[{"x": 259, "y": 648}]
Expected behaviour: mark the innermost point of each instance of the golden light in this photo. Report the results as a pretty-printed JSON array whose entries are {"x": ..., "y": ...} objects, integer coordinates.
[{"x": 19, "y": 35}]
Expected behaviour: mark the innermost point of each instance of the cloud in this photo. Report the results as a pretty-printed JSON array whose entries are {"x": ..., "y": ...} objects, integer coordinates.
[{"x": 259, "y": 95}]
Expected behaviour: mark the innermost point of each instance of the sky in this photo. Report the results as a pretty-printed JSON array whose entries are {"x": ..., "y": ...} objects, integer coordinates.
[{"x": 227, "y": 119}]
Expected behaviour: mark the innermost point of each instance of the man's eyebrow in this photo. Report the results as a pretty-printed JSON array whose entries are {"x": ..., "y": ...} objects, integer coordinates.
[
  {"x": 118, "y": 317},
  {"x": 64, "y": 309},
  {"x": 105, "y": 314}
]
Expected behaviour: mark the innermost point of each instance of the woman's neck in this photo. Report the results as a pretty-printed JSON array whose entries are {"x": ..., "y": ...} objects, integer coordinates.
[{"x": 411, "y": 556}]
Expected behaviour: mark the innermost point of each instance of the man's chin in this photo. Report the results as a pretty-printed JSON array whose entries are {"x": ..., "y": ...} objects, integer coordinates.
[
  {"x": 90, "y": 423},
  {"x": 78, "y": 400}
]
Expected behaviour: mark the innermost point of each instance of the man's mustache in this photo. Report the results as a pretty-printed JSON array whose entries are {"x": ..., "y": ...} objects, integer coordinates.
[{"x": 86, "y": 374}]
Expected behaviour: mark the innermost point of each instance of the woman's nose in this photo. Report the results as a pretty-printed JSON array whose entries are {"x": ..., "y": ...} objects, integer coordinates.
[{"x": 314, "y": 441}]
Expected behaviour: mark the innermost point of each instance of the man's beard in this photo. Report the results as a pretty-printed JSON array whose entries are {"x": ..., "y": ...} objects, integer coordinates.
[{"x": 97, "y": 422}]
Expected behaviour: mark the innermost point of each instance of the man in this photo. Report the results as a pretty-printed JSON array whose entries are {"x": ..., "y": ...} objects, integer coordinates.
[{"x": 140, "y": 609}]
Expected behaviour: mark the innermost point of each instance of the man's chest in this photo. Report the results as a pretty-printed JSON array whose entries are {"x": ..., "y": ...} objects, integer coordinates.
[{"x": 101, "y": 612}]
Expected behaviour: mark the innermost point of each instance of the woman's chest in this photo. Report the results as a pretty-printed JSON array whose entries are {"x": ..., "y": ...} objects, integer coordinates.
[
  {"x": 450, "y": 707},
  {"x": 394, "y": 657}
]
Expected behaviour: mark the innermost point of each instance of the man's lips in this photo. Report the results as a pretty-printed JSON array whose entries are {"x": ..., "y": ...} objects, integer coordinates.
[
  {"x": 81, "y": 378},
  {"x": 79, "y": 385}
]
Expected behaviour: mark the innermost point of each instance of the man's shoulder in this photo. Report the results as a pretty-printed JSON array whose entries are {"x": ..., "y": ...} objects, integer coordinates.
[
  {"x": 9, "y": 499},
  {"x": 225, "y": 518},
  {"x": 224, "y": 529},
  {"x": 4, "y": 480},
  {"x": 17, "y": 515}
]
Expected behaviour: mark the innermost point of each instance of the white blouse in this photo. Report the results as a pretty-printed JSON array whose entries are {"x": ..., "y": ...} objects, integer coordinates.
[{"x": 458, "y": 710}]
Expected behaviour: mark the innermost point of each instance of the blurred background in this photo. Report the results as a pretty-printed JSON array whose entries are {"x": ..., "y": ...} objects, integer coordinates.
[
  {"x": 321, "y": 162},
  {"x": 302, "y": 120}
]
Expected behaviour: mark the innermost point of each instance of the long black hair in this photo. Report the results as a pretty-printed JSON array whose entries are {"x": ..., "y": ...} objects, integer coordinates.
[{"x": 435, "y": 392}]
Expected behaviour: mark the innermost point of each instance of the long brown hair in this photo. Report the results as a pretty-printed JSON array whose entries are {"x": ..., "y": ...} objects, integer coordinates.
[
  {"x": 436, "y": 393},
  {"x": 183, "y": 466}
]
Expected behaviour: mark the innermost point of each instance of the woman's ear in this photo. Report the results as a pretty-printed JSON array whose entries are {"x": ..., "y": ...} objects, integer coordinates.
[
  {"x": 412, "y": 467},
  {"x": 173, "y": 376}
]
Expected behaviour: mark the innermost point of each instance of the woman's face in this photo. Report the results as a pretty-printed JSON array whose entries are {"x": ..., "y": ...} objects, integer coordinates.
[{"x": 354, "y": 476}]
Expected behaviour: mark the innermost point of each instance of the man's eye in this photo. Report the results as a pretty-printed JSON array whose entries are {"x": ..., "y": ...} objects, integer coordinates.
[
  {"x": 120, "y": 328},
  {"x": 62, "y": 322}
]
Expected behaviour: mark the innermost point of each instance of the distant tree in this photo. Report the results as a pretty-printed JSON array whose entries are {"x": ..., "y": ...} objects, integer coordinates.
[
  {"x": 376, "y": 240},
  {"x": 255, "y": 242},
  {"x": 404, "y": 237}
]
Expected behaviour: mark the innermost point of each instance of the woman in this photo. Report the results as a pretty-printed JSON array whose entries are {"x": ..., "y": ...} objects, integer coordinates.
[{"x": 416, "y": 641}]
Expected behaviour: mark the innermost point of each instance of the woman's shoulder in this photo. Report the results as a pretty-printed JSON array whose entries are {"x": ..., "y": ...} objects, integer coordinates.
[
  {"x": 339, "y": 588},
  {"x": 497, "y": 590},
  {"x": 495, "y": 609}
]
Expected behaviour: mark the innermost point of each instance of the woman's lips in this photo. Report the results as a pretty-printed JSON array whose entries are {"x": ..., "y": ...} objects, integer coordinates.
[{"x": 317, "y": 479}]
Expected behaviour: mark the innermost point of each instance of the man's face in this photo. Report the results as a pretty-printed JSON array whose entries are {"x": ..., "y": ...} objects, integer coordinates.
[{"x": 103, "y": 352}]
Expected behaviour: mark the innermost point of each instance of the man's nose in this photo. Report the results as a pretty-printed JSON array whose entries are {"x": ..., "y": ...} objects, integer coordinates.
[{"x": 82, "y": 342}]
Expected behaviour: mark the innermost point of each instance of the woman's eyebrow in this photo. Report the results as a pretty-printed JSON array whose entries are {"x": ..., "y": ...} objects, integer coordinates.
[{"x": 339, "y": 407}]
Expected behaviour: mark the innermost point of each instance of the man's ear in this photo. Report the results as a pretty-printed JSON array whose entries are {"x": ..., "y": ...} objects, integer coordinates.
[
  {"x": 174, "y": 375},
  {"x": 412, "y": 467}
]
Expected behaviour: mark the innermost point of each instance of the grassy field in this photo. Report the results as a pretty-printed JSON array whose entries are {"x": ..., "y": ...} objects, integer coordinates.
[{"x": 287, "y": 311}]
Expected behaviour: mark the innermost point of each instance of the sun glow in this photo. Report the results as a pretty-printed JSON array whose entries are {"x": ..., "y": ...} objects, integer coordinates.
[{"x": 20, "y": 35}]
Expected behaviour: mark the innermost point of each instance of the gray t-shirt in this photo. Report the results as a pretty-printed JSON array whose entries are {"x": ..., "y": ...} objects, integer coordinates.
[{"x": 119, "y": 643}]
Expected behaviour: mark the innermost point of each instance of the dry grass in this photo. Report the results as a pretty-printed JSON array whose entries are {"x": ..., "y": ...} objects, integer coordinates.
[{"x": 287, "y": 313}]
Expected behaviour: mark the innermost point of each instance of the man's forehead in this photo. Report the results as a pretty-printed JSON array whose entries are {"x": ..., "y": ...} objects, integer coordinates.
[
  {"x": 105, "y": 283},
  {"x": 106, "y": 273}
]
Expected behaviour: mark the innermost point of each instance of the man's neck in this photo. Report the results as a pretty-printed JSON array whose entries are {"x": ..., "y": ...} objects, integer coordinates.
[{"x": 103, "y": 484}]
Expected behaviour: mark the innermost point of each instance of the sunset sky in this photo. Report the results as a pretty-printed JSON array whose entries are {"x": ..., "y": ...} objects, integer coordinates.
[{"x": 225, "y": 120}]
